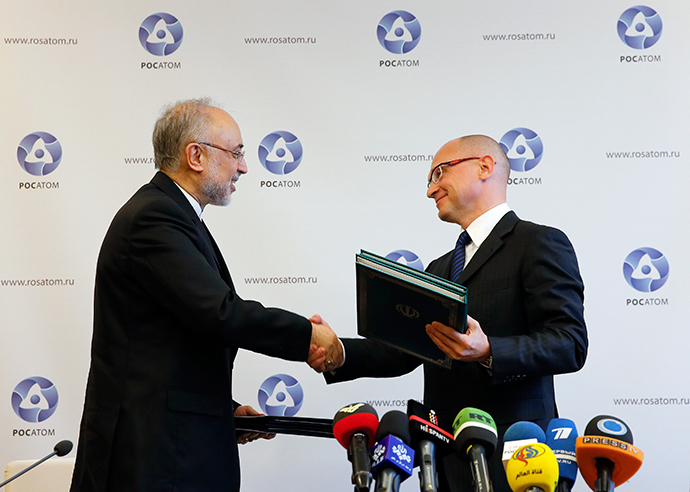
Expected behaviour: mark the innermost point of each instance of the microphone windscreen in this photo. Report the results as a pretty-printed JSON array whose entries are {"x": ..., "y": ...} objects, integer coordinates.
[
  {"x": 533, "y": 465},
  {"x": 610, "y": 438},
  {"x": 62, "y": 448},
  {"x": 561, "y": 437},
  {"x": 606, "y": 425},
  {"x": 519, "y": 434},
  {"x": 394, "y": 423},
  {"x": 524, "y": 430},
  {"x": 425, "y": 425},
  {"x": 358, "y": 417},
  {"x": 473, "y": 426},
  {"x": 626, "y": 458}
]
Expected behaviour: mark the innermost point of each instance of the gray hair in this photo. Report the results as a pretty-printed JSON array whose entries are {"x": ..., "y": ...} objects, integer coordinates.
[{"x": 180, "y": 124}]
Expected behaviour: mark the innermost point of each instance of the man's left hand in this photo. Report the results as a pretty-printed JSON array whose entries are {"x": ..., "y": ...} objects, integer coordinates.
[
  {"x": 472, "y": 346},
  {"x": 245, "y": 437}
]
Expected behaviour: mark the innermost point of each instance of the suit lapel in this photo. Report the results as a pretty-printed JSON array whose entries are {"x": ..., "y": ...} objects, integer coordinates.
[
  {"x": 218, "y": 257},
  {"x": 490, "y": 245},
  {"x": 208, "y": 246}
]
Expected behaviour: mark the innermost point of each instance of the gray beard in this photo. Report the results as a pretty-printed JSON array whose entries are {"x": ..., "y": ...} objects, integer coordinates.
[{"x": 217, "y": 193}]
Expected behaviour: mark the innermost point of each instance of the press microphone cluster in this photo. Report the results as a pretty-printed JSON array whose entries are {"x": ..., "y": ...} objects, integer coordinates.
[
  {"x": 386, "y": 452},
  {"x": 604, "y": 455}
]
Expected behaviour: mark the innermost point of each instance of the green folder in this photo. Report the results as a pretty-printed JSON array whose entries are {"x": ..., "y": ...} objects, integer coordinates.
[{"x": 395, "y": 302}]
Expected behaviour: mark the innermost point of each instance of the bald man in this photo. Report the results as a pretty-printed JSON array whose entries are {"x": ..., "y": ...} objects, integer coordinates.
[
  {"x": 159, "y": 412},
  {"x": 525, "y": 305}
]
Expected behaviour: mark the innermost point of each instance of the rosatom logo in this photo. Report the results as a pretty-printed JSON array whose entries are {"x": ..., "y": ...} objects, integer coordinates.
[
  {"x": 523, "y": 148},
  {"x": 399, "y": 32},
  {"x": 280, "y": 152},
  {"x": 639, "y": 27},
  {"x": 646, "y": 269},
  {"x": 406, "y": 258},
  {"x": 281, "y": 395},
  {"x": 160, "y": 34},
  {"x": 34, "y": 399},
  {"x": 612, "y": 427},
  {"x": 39, "y": 153}
]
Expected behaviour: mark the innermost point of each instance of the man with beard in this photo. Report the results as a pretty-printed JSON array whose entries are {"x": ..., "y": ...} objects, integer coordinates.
[{"x": 159, "y": 413}]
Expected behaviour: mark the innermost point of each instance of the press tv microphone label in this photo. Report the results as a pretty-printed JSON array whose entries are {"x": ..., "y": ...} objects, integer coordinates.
[{"x": 605, "y": 441}]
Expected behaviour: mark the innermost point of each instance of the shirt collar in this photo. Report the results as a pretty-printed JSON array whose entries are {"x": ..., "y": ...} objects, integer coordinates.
[
  {"x": 482, "y": 226},
  {"x": 195, "y": 205}
]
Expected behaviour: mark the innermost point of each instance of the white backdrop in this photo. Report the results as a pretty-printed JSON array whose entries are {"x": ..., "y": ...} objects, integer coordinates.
[{"x": 613, "y": 121}]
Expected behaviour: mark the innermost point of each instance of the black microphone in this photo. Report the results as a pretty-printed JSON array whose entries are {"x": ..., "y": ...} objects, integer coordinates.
[
  {"x": 354, "y": 426},
  {"x": 393, "y": 458},
  {"x": 427, "y": 437},
  {"x": 60, "y": 449}
]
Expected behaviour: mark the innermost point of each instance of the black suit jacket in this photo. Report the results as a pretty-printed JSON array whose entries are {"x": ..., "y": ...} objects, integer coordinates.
[
  {"x": 525, "y": 290},
  {"x": 158, "y": 414}
]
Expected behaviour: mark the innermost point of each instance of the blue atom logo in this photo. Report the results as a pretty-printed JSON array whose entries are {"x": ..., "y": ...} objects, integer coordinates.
[
  {"x": 646, "y": 269},
  {"x": 406, "y": 258},
  {"x": 523, "y": 147},
  {"x": 399, "y": 32},
  {"x": 34, "y": 399},
  {"x": 639, "y": 27},
  {"x": 160, "y": 34},
  {"x": 280, "y": 152},
  {"x": 39, "y": 153},
  {"x": 612, "y": 427},
  {"x": 281, "y": 395}
]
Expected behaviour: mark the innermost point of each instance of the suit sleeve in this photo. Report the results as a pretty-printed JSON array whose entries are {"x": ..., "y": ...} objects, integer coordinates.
[
  {"x": 369, "y": 358},
  {"x": 552, "y": 297},
  {"x": 162, "y": 253}
]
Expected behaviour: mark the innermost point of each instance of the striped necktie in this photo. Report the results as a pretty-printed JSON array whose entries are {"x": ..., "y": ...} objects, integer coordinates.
[{"x": 459, "y": 256}]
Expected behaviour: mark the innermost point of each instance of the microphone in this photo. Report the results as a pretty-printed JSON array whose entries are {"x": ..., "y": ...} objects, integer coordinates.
[
  {"x": 532, "y": 468},
  {"x": 561, "y": 435},
  {"x": 518, "y": 435},
  {"x": 427, "y": 435},
  {"x": 393, "y": 458},
  {"x": 60, "y": 449},
  {"x": 354, "y": 426},
  {"x": 606, "y": 455},
  {"x": 476, "y": 437}
]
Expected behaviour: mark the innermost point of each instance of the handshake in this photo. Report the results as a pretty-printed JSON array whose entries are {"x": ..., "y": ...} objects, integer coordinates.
[{"x": 325, "y": 351}]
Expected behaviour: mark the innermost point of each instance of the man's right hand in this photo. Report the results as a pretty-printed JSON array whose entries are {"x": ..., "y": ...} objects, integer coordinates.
[{"x": 326, "y": 351}]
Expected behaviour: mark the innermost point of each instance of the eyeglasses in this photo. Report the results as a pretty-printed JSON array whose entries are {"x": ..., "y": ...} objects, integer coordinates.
[
  {"x": 237, "y": 154},
  {"x": 437, "y": 172}
]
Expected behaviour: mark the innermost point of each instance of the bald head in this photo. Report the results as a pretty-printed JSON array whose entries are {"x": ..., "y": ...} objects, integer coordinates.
[
  {"x": 481, "y": 145},
  {"x": 472, "y": 177}
]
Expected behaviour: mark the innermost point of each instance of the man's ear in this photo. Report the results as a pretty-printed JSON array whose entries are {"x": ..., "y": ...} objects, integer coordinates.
[
  {"x": 195, "y": 157},
  {"x": 486, "y": 166}
]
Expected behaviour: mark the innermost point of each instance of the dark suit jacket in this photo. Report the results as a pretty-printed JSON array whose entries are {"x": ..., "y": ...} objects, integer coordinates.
[
  {"x": 158, "y": 414},
  {"x": 525, "y": 290}
]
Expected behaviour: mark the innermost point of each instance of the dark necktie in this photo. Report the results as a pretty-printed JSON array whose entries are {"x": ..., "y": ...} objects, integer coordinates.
[{"x": 459, "y": 256}]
